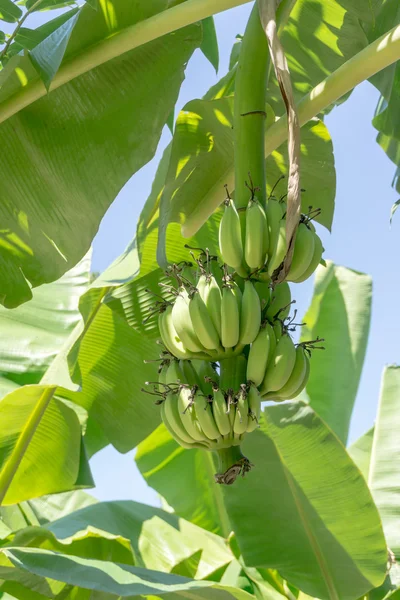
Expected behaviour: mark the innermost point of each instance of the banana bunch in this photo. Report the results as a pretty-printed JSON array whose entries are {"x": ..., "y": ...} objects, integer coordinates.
[
  {"x": 209, "y": 321},
  {"x": 261, "y": 247},
  {"x": 275, "y": 365},
  {"x": 198, "y": 414}
]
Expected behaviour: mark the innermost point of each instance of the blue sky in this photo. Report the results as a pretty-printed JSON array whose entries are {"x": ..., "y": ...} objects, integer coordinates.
[{"x": 361, "y": 239}]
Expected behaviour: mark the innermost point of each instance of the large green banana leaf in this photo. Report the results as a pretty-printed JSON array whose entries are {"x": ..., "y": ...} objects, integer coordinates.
[
  {"x": 101, "y": 127},
  {"x": 41, "y": 448},
  {"x": 296, "y": 497},
  {"x": 33, "y": 334},
  {"x": 376, "y": 453},
  {"x": 50, "y": 570},
  {"x": 340, "y": 312}
]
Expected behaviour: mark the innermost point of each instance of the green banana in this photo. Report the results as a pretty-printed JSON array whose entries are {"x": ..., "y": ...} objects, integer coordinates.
[
  {"x": 169, "y": 335},
  {"x": 190, "y": 374},
  {"x": 280, "y": 249},
  {"x": 258, "y": 357},
  {"x": 205, "y": 417},
  {"x": 162, "y": 376},
  {"x": 302, "y": 253},
  {"x": 230, "y": 236},
  {"x": 304, "y": 382},
  {"x": 237, "y": 292},
  {"x": 230, "y": 318},
  {"x": 174, "y": 373},
  {"x": 204, "y": 369},
  {"x": 212, "y": 299},
  {"x": 274, "y": 216},
  {"x": 297, "y": 375},
  {"x": 201, "y": 286},
  {"x": 219, "y": 410},
  {"x": 242, "y": 412},
  {"x": 250, "y": 318},
  {"x": 254, "y": 400},
  {"x": 188, "y": 414},
  {"x": 202, "y": 323},
  {"x": 280, "y": 297},
  {"x": 278, "y": 329},
  {"x": 256, "y": 238},
  {"x": 281, "y": 366},
  {"x": 272, "y": 342},
  {"x": 172, "y": 420},
  {"x": 264, "y": 291},
  {"x": 316, "y": 259},
  {"x": 183, "y": 323}
]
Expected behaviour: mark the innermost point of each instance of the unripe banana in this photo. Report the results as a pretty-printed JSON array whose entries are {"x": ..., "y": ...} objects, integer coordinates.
[
  {"x": 280, "y": 297},
  {"x": 174, "y": 373},
  {"x": 302, "y": 253},
  {"x": 274, "y": 216},
  {"x": 272, "y": 342},
  {"x": 297, "y": 375},
  {"x": 237, "y": 292},
  {"x": 278, "y": 330},
  {"x": 254, "y": 400},
  {"x": 212, "y": 299},
  {"x": 230, "y": 237},
  {"x": 188, "y": 414},
  {"x": 201, "y": 286},
  {"x": 230, "y": 318},
  {"x": 256, "y": 238},
  {"x": 172, "y": 420},
  {"x": 202, "y": 323},
  {"x": 316, "y": 259},
  {"x": 169, "y": 335},
  {"x": 183, "y": 323},
  {"x": 205, "y": 417},
  {"x": 162, "y": 376},
  {"x": 280, "y": 249},
  {"x": 219, "y": 410},
  {"x": 305, "y": 380},
  {"x": 264, "y": 291},
  {"x": 190, "y": 374},
  {"x": 250, "y": 318},
  {"x": 281, "y": 366},
  {"x": 258, "y": 357},
  {"x": 242, "y": 413},
  {"x": 204, "y": 369}
]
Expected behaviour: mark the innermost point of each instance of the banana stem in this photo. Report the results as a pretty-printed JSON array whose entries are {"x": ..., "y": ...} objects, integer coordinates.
[
  {"x": 228, "y": 457},
  {"x": 232, "y": 372},
  {"x": 249, "y": 112}
]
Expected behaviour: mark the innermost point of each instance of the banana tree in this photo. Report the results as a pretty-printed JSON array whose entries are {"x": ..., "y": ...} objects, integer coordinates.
[{"x": 310, "y": 519}]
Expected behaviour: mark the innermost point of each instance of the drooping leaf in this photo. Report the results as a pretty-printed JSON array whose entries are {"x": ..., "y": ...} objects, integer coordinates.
[
  {"x": 9, "y": 11},
  {"x": 163, "y": 462},
  {"x": 33, "y": 334},
  {"x": 29, "y": 38},
  {"x": 340, "y": 313},
  {"x": 115, "y": 579},
  {"x": 47, "y": 55},
  {"x": 159, "y": 540},
  {"x": 384, "y": 472},
  {"x": 80, "y": 163},
  {"x": 302, "y": 497},
  {"x": 40, "y": 445},
  {"x": 55, "y": 506},
  {"x": 209, "y": 44}
]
